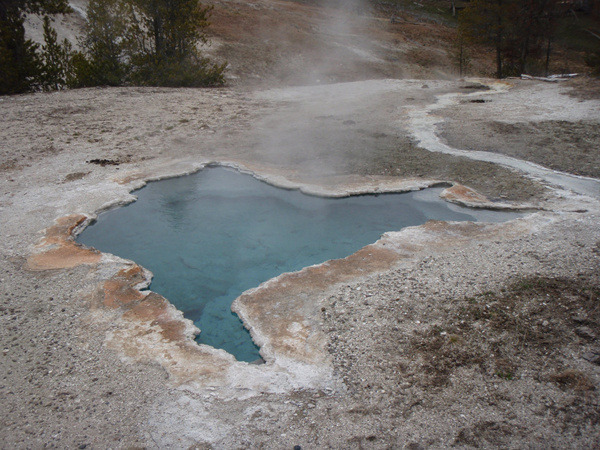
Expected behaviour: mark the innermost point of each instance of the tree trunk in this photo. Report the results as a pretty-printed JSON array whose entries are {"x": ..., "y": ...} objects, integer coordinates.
[
  {"x": 158, "y": 35},
  {"x": 460, "y": 65},
  {"x": 548, "y": 50},
  {"x": 499, "y": 37},
  {"x": 524, "y": 54},
  {"x": 498, "y": 63}
]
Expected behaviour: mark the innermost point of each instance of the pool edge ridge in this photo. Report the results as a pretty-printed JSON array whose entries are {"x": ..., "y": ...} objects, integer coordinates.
[
  {"x": 283, "y": 314},
  {"x": 147, "y": 327}
]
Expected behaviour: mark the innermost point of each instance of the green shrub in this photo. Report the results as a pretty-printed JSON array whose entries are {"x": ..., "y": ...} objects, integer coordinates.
[{"x": 189, "y": 72}]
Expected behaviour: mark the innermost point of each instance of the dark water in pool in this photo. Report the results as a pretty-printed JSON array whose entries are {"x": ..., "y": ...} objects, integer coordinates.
[{"x": 210, "y": 236}]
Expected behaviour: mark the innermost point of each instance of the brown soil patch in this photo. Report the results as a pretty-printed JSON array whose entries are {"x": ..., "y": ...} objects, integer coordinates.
[
  {"x": 585, "y": 88},
  {"x": 531, "y": 324},
  {"x": 566, "y": 146}
]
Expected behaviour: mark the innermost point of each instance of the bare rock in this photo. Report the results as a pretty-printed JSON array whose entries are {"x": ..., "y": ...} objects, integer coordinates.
[
  {"x": 593, "y": 357},
  {"x": 585, "y": 332}
]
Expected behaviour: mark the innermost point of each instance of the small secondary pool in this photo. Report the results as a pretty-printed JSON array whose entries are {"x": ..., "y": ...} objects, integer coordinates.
[{"x": 210, "y": 236}]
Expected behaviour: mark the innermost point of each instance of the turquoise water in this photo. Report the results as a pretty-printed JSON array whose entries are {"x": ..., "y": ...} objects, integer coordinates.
[{"x": 210, "y": 236}]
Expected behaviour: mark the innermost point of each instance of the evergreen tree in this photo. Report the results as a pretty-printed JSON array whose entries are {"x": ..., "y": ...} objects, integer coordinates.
[
  {"x": 18, "y": 59},
  {"x": 163, "y": 40},
  {"x": 592, "y": 58},
  {"x": 56, "y": 68},
  {"x": 104, "y": 45},
  {"x": 490, "y": 22},
  {"x": 459, "y": 53},
  {"x": 520, "y": 31},
  {"x": 19, "y": 62},
  {"x": 531, "y": 45},
  {"x": 146, "y": 42}
]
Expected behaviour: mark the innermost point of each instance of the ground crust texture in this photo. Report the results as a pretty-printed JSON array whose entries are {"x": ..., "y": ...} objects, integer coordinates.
[{"x": 444, "y": 334}]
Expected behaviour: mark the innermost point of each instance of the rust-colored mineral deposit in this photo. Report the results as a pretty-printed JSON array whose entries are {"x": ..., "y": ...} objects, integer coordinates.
[{"x": 58, "y": 250}]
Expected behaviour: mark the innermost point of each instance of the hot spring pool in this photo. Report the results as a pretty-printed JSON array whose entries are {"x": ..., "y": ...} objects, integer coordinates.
[{"x": 210, "y": 236}]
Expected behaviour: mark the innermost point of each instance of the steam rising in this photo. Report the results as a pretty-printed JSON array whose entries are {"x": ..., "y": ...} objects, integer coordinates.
[
  {"x": 326, "y": 130},
  {"x": 325, "y": 127},
  {"x": 334, "y": 43}
]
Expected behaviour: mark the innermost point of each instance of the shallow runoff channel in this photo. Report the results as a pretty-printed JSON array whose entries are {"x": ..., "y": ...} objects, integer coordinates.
[
  {"x": 210, "y": 236},
  {"x": 424, "y": 129}
]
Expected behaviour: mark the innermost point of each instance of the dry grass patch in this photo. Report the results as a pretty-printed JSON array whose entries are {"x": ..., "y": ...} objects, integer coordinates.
[{"x": 528, "y": 325}]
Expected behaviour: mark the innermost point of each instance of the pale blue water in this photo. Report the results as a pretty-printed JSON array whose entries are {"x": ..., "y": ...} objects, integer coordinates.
[{"x": 210, "y": 236}]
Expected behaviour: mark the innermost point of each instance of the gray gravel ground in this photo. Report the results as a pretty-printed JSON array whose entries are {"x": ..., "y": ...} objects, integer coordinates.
[
  {"x": 408, "y": 383},
  {"x": 60, "y": 387},
  {"x": 403, "y": 382}
]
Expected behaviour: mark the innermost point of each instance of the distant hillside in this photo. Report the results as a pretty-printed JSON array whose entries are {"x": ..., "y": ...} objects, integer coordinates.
[
  {"x": 273, "y": 42},
  {"x": 69, "y": 26}
]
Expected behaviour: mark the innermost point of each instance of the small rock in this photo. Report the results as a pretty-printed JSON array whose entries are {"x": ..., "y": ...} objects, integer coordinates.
[
  {"x": 580, "y": 318},
  {"x": 592, "y": 357},
  {"x": 545, "y": 323},
  {"x": 585, "y": 332}
]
